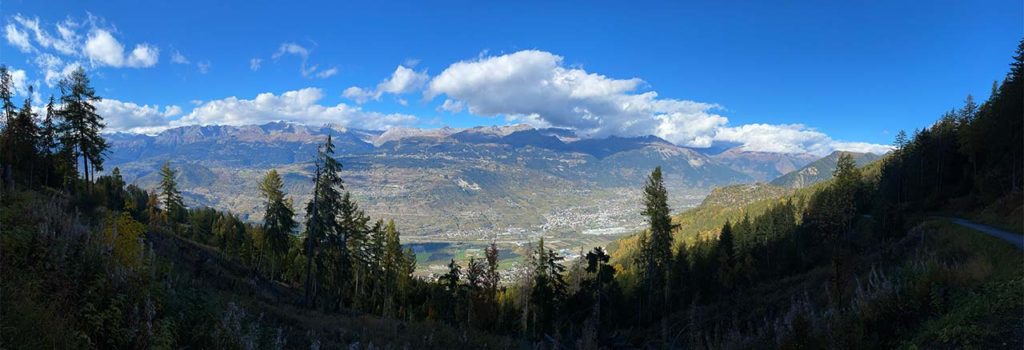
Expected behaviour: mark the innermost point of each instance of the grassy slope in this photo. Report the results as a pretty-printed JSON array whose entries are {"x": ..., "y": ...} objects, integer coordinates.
[{"x": 987, "y": 290}]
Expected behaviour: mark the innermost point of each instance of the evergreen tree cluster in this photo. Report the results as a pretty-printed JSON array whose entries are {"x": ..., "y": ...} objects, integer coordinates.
[
  {"x": 971, "y": 160},
  {"x": 54, "y": 150}
]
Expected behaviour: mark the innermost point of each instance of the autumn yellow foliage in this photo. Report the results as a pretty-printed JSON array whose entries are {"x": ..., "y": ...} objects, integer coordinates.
[{"x": 124, "y": 235}]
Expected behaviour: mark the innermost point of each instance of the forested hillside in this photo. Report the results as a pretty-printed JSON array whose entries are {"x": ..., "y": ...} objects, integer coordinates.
[{"x": 857, "y": 261}]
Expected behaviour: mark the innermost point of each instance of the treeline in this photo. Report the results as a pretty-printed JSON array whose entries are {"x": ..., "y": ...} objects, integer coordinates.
[
  {"x": 970, "y": 160},
  {"x": 54, "y": 150}
]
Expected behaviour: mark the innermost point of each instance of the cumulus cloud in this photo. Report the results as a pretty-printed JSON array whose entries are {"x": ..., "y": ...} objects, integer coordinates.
[
  {"x": 143, "y": 55},
  {"x": 103, "y": 48},
  {"x": 254, "y": 64},
  {"x": 791, "y": 138},
  {"x": 63, "y": 42},
  {"x": 538, "y": 88},
  {"x": 402, "y": 80},
  {"x": 300, "y": 106},
  {"x": 536, "y": 85},
  {"x": 130, "y": 117}
]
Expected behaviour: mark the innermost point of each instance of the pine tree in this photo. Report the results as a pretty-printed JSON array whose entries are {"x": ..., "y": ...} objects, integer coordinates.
[
  {"x": 82, "y": 125},
  {"x": 170, "y": 195},
  {"x": 725, "y": 242},
  {"x": 656, "y": 254},
  {"x": 354, "y": 249},
  {"x": 7, "y": 144},
  {"x": 25, "y": 142},
  {"x": 549, "y": 287},
  {"x": 901, "y": 140},
  {"x": 152, "y": 210},
  {"x": 451, "y": 279},
  {"x": 492, "y": 277},
  {"x": 324, "y": 237},
  {"x": 278, "y": 220},
  {"x": 602, "y": 284},
  {"x": 679, "y": 277},
  {"x": 726, "y": 255},
  {"x": 394, "y": 266},
  {"x": 49, "y": 142},
  {"x": 657, "y": 211}
]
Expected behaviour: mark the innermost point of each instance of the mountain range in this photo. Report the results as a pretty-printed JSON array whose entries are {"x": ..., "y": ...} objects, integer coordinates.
[{"x": 446, "y": 181}]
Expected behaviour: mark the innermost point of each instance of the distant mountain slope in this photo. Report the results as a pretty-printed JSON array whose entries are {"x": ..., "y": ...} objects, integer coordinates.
[
  {"x": 763, "y": 166},
  {"x": 820, "y": 170},
  {"x": 475, "y": 181}
]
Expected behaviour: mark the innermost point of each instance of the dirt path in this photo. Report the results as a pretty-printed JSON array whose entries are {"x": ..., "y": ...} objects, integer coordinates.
[{"x": 1014, "y": 238}]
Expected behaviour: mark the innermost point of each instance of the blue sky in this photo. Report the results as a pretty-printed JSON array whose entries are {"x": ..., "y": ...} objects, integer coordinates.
[{"x": 775, "y": 76}]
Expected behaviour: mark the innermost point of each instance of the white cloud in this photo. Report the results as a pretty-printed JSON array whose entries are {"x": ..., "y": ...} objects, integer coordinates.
[
  {"x": 131, "y": 117},
  {"x": 19, "y": 80},
  {"x": 66, "y": 41},
  {"x": 300, "y": 106},
  {"x": 791, "y": 138},
  {"x": 293, "y": 49},
  {"x": 296, "y": 50},
  {"x": 303, "y": 53},
  {"x": 18, "y": 38},
  {"x": 144, "y": 55},
  {"x": 178, "y": 58},
  {"x": 171, "y": 110},
  {"x": 538, "y": 88},
  {"x": 204, "y": 66},
  {"x": 536, "y": 85},
  {"x": 327, "y": 73},
  {"x": 54, "y": 74},
  {"x": 452, "y": 106},
  {"x": 254, "y": 64},
  {"x": 402, "y": 80},
  {"x": 48, "y": 61},
  {"x": 101, "y": 47},
  {"x": 357, "y": 94}
]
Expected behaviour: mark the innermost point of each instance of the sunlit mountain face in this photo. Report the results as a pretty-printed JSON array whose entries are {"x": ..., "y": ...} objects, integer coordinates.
[{"x": 491, "y": 178}]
